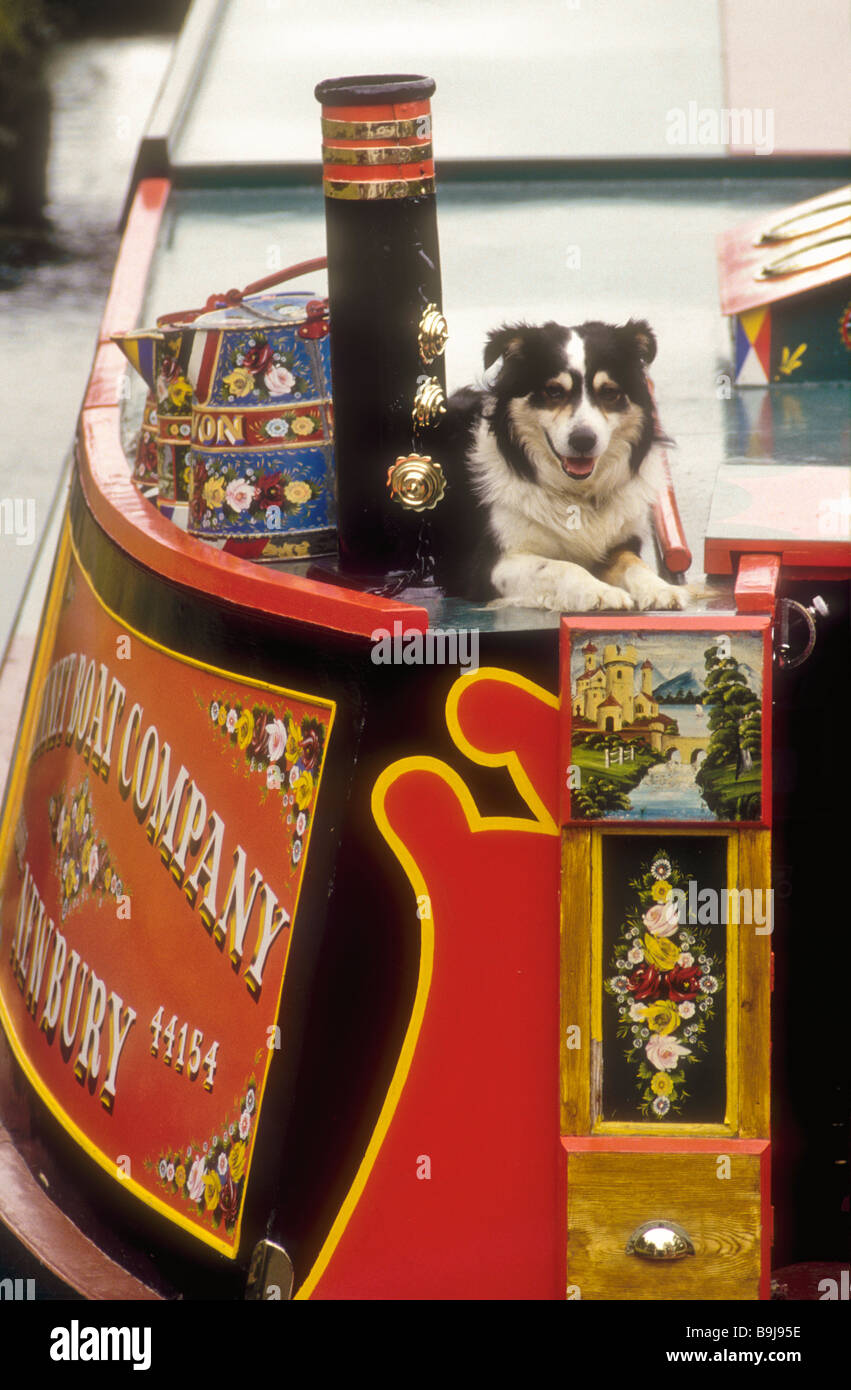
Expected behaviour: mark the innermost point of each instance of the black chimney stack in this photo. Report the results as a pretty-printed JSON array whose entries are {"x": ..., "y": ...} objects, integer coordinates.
[{"x": 387, "y": 329}]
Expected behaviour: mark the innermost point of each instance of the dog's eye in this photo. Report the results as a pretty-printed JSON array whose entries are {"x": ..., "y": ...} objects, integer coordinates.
[
  {"x": 610, "y": 394},
  {"x": 554, "y": 391}
]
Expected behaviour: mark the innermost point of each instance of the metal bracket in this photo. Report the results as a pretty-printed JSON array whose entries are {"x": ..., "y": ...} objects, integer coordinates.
[
  {"x": 788, "y": 613},
  {"x": 270, "y": 1275}
]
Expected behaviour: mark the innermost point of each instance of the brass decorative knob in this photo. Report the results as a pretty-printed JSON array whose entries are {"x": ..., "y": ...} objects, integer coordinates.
[
  {"x": 659, "y": 1240},
  {"x": 417, "y": 482},
  {"x": 429, "y": 402},
  {"x": 433, "y": 334}
]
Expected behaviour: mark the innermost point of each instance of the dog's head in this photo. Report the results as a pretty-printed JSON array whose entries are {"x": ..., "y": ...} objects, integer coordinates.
[{"x": 571, "y": 408}]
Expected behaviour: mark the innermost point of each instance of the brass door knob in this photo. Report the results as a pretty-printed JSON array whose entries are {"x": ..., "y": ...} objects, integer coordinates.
[
  {"x": 417, "y": 481},
  {"x": 429, "y": 402},
  {"x": 433, "y": 334},
  {"x": 659, "y": 1240}
]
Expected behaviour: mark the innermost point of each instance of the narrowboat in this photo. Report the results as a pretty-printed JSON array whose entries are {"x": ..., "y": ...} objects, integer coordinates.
[{"x": 360, "y": 941}]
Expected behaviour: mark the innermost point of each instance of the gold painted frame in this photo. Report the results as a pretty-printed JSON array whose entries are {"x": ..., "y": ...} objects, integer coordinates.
[{"x": 748, "y": 967}]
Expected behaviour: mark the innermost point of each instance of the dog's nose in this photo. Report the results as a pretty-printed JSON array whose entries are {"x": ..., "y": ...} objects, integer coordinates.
[{"x": 582, "y": 441}]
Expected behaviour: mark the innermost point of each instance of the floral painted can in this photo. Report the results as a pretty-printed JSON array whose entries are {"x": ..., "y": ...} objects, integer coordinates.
[
  {"x": 158, "y": 356},
  {"x": 262, "y": 465},
  {"x": 173, "y": 397},
  {"x": 146, "y": 465}
]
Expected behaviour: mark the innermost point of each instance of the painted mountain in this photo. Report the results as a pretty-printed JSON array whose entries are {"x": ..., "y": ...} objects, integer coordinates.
[
  {"x": 658, "y": 677},
  {"x": 686, "y": 686}
]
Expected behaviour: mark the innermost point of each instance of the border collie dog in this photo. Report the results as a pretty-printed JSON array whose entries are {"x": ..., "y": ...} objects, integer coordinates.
[{"x": 550, "y": 475}]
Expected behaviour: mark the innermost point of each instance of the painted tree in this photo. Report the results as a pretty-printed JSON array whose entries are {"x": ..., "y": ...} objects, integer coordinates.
[
  {"x": 751, "y": 736},
  {"x": 597, "y": 798},
  {"x": 735, "y": 716}
]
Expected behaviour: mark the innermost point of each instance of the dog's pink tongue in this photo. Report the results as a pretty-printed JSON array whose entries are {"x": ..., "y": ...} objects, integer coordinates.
[{"x": 578, "y": 468}]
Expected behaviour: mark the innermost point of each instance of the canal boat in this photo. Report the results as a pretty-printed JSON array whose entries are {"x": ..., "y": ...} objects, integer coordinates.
[{"x": 359, "y": 941}]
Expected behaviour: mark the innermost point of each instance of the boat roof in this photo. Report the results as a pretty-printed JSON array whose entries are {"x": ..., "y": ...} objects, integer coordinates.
[{"x": 239, "y": 95}]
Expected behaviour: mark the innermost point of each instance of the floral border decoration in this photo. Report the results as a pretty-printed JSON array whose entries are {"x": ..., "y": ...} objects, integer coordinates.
[
  {"x": 22, "y": 835},
  {"x": 665, "y": 989},
  {"x": 211, "y": 1175},
  {"x": 84, "y": 864},
  {"x": 286, "y": 752}
]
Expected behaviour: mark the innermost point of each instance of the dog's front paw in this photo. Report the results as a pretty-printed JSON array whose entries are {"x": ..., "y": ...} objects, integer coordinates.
[
  {"x": 584, "y": 596},
  {"x": 649, "y": 591},
  {"x": 533, "y": 582},
  {"x": 610, "y": 596}
]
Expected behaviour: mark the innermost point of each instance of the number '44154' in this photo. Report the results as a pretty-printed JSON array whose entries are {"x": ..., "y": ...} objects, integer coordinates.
[{"x": 187, "y": 1056}]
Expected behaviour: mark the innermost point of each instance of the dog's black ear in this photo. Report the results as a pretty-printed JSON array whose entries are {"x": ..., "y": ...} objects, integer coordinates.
[
  {"x": 504, "y": 342},
  {"x": 642, "y": 339}
]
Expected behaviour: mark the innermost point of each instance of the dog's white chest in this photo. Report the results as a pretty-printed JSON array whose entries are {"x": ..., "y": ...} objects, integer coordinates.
[{"x": 531, "y": 519}]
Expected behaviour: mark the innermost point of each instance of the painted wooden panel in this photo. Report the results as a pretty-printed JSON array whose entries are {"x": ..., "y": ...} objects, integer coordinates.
[
  {"x": 662, "y": 979},
  {"x": 716, "y": 1197},
  {"x": 576, "y": 1043},
  {"x": 666, "y": 723},
  {"x": 755, "y": 989},
  {"x": 679, "y": 1016}
]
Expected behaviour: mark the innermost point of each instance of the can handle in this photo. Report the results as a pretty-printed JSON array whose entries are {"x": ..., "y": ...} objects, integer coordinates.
[{"x": 233, "y": 297}]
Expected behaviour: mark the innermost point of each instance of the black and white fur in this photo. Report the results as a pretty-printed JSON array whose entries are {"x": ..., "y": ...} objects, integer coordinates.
[{"x": 550, "y": 472}]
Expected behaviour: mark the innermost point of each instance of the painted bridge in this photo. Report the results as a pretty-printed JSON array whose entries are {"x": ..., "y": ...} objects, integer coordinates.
[{"x": 688, "y": 749}]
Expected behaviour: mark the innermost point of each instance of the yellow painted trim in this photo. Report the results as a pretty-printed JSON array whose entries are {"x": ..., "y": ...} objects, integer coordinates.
[
  {"x": 542, "y": 824},
  {"x": 412, "y": 1033},
  {"x": 731, "y": 990},
  {"x": 10, "y": 816},
  {"x": 201, "y": 665},
  {"x": 46, "y": 640},
  {"x": 508, "y": 759},
  {"x": 681, "y": 1130}
]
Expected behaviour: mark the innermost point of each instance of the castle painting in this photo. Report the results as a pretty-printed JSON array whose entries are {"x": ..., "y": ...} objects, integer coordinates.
[{"x": 666, "y": 725}]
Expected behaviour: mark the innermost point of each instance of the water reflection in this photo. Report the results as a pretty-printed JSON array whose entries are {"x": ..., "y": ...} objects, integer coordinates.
[{"x": 102, "y": 91}]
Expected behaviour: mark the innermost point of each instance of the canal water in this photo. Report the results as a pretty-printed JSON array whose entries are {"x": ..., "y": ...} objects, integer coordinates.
[{"x": 102, "y": 91}]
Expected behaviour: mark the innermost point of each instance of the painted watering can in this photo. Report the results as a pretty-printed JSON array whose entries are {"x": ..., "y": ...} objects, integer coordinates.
[
  {"x": 262, "y": 466},
  {"x": 256, "y": 463},
  {"x": 157, "y": 356},
  {"x": 146, "y": 465}
]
